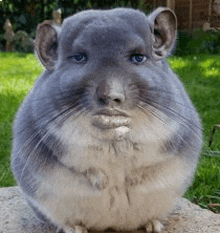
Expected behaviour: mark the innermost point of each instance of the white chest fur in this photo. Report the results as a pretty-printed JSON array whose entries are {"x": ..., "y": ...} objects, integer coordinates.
[{"x": 67, "y": 195}]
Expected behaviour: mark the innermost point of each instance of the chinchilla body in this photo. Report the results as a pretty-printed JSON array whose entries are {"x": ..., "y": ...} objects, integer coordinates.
[{"x": 107, "y": 137}]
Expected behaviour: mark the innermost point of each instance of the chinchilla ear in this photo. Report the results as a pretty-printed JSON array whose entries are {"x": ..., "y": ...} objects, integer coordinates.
[
  {"x": 46, "y": 44},
  {"x": 163, "y": 23}
]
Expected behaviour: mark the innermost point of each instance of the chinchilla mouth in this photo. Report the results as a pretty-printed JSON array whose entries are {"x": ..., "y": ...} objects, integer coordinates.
[
  {"x": 110, "y": 119},
  {"x": 112, "y": 112}
]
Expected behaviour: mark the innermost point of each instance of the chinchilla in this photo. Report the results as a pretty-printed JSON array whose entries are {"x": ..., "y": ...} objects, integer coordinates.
[{"x": 107, "y": 137}]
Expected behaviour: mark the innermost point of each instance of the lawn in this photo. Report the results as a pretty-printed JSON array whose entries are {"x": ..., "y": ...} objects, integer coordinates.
[
  {"x": 201, "y": 77},
  {"x": 17, "y": 75}
]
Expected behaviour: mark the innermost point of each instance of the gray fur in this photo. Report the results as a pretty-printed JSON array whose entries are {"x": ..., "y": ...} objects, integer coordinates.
[{"x": 108, "y": 140}]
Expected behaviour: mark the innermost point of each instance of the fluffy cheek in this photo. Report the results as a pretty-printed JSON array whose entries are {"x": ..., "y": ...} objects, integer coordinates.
[{"x": 149, "y": 128}]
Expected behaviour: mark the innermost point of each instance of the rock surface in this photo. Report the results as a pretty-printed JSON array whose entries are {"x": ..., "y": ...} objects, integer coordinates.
[{"x": 17, "y": 217}]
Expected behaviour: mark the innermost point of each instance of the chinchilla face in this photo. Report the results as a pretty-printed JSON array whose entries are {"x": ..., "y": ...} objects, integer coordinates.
[{"x": 106, "y": 75}]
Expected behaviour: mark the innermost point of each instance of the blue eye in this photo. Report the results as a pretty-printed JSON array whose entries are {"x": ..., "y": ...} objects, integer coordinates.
[
  {"x": 81, "y": 57},
  {"x": 138, "y": 58}
]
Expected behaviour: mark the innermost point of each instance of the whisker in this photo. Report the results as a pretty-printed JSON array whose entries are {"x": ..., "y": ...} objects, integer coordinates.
[
  {"x": 152, "y": 108},
  {"x": 67, "y": 111},
  {"x": 33, "y": 154},
  {"x": 42, "y": 130},
  {"x": 187, "y": 122},
  {"x": 168, "y": 95}
]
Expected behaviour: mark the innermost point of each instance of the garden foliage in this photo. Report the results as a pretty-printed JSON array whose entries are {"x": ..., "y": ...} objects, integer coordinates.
[
  {"x": 26, "y": 15},
  {"x": 198, "y": 41}
]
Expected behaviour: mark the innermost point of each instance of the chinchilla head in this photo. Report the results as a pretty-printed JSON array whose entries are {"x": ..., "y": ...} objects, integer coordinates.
[
  {"x": 106, "y": 79},
  {"x": 106, "y": 76}
]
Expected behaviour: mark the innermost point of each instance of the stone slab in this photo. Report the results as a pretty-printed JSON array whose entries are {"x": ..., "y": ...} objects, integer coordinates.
[{"x": 17, "y": 217}]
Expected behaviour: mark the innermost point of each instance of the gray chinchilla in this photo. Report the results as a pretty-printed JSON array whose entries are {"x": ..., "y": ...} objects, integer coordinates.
[{"x": 107, "y": 137}]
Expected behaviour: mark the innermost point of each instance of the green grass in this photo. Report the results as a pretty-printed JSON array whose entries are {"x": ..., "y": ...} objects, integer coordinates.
[
  {"x": 201, "y": 77},
  {"x": 17, "y": 75}
]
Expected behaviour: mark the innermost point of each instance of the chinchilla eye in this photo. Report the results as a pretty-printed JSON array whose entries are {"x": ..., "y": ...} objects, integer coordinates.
[
  {"x": 81, "y": 57},
  {"x": 138, "y": 58}
]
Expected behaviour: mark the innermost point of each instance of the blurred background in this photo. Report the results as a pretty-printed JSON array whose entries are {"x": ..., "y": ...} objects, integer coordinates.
[{"x": 198, "y": 20}]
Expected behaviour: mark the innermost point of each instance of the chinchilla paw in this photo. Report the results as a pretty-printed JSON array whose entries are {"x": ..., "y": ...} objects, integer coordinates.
[
  {"x": 97, "y": 178},
  {"x": 76, "y": 229},
  {"x": 154, "y": 226}
]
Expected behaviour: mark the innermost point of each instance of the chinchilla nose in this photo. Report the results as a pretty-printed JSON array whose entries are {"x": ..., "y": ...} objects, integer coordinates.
[{"x": 110, "y": 93}]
